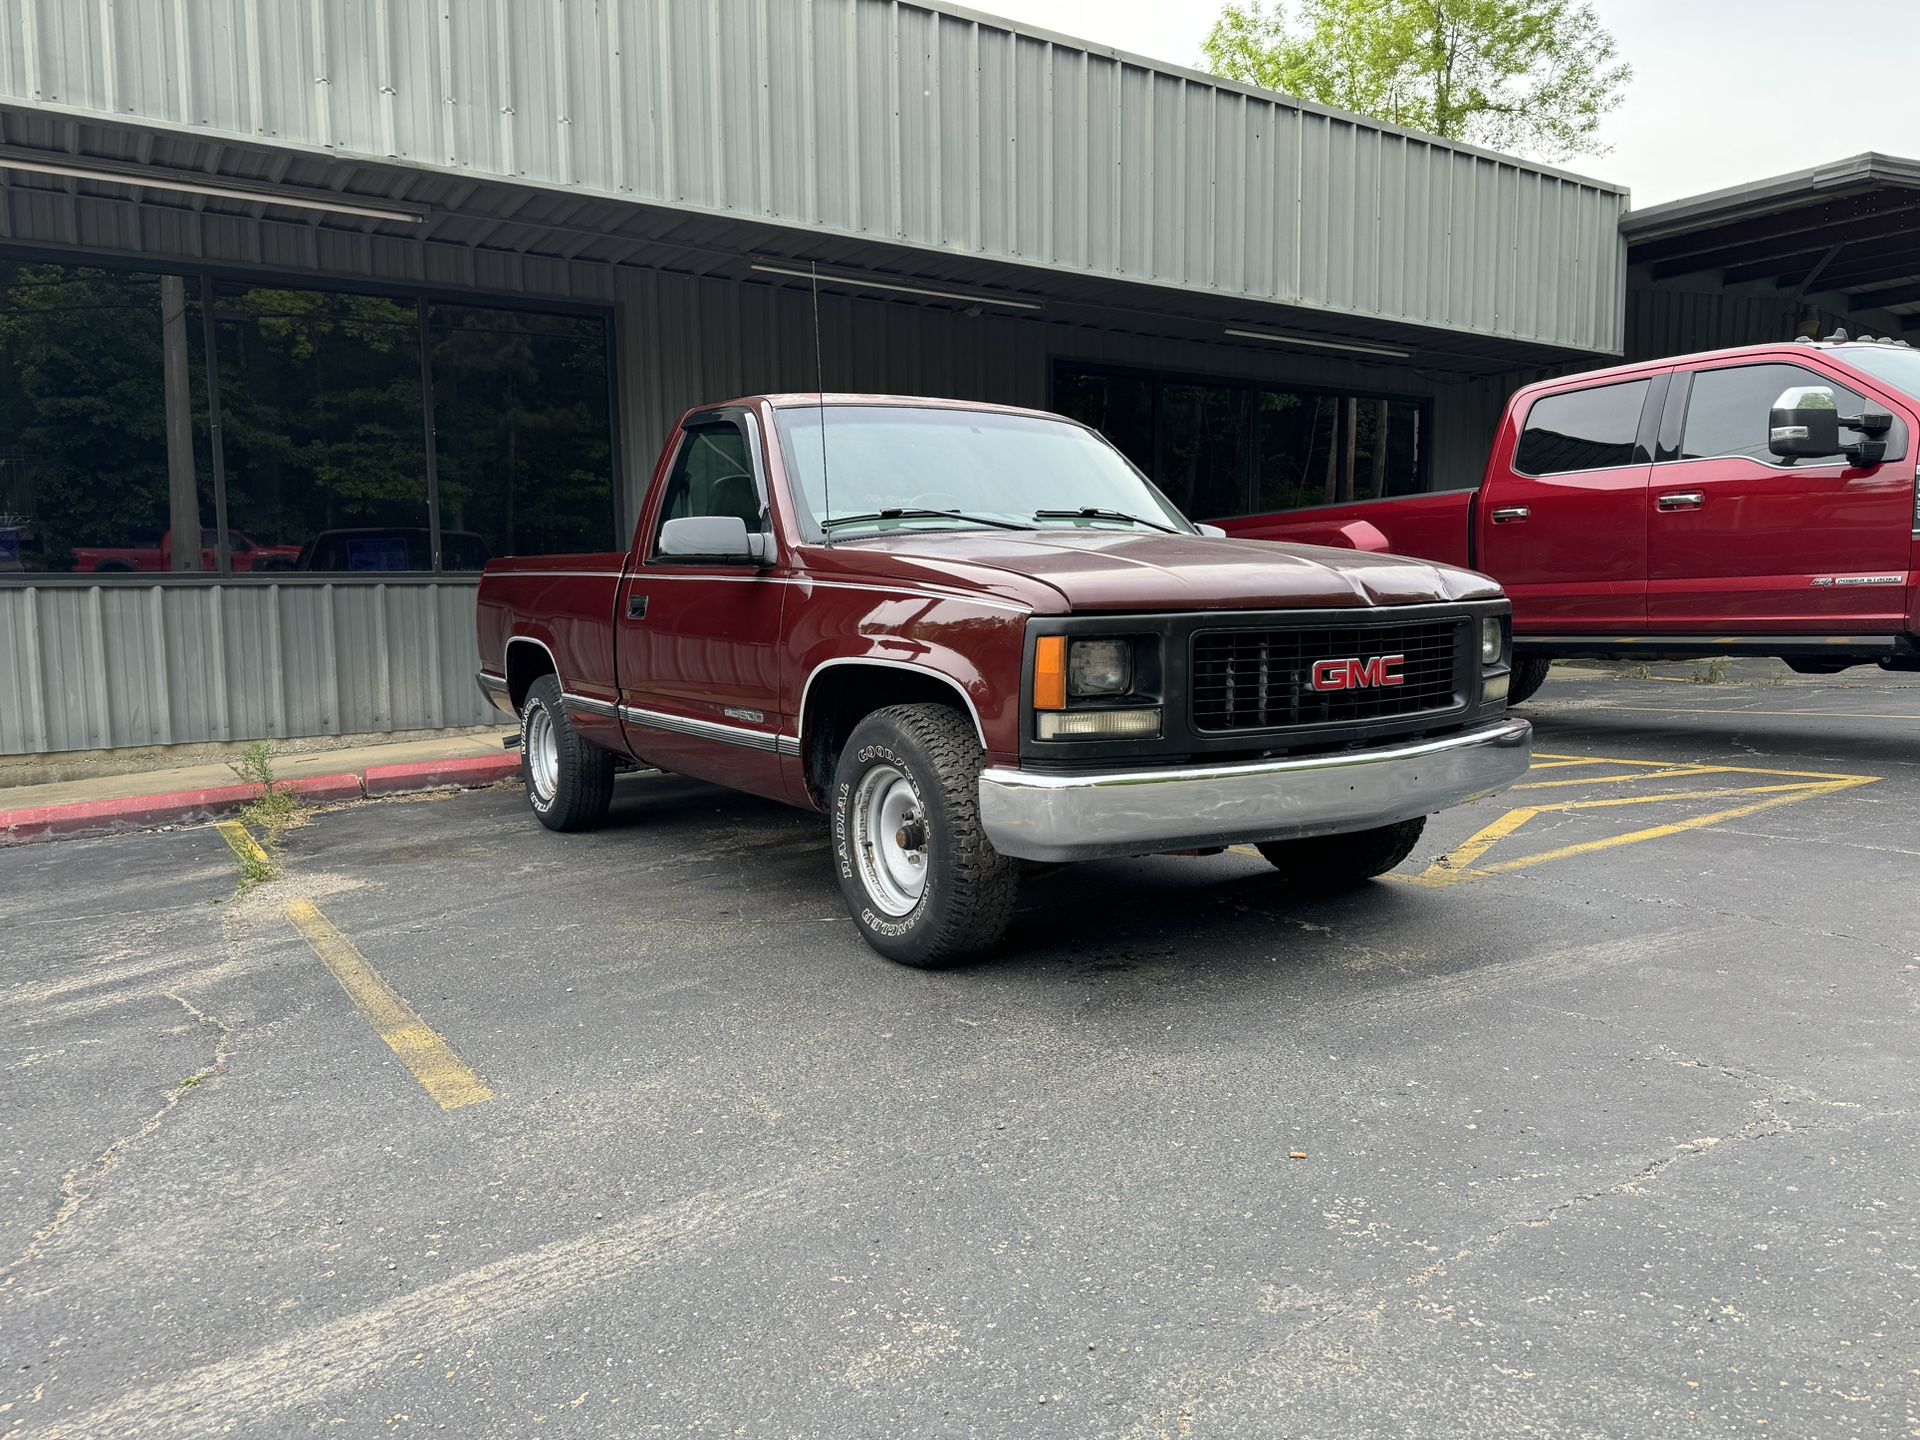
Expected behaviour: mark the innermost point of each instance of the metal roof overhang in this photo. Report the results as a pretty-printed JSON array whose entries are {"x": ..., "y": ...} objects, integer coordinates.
[
  {"x": 1850, "y": 228},
  {"x": 137, "y": 166}
]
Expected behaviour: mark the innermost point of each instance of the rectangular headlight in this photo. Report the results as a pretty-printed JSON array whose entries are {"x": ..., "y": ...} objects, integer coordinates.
[
  {"x": 1099, "y": 667},
  {"x": 1492, "y": 642},
  {"x": 1098, "y": 724}
]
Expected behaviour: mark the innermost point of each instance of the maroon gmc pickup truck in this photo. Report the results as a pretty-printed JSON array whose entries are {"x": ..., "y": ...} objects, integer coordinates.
[
  {"x": 979, "y": 639},
  {"x": 1757, "y": 501}
]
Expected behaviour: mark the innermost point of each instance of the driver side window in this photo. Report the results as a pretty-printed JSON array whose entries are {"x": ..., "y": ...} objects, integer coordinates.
[
  {"x": 1727, "y": 413},
  {"x": 713, "y": 475}
]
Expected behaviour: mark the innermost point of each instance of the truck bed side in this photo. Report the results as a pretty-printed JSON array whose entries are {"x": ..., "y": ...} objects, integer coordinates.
[
  {"x": 551, "y": 613},
  {"x": 1435, "y": 527}
]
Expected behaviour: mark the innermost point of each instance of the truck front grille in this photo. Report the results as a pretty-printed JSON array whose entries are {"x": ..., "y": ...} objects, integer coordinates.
[{"x": 1262, "y": 679}]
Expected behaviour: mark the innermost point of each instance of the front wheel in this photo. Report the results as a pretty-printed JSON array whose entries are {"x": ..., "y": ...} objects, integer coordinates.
[
  {"x": 1336, "y": 861},
  {"x": 1529, "y": 674},
  {"x": 919, "y": 877},
  {"x": 569, "y": 782}
]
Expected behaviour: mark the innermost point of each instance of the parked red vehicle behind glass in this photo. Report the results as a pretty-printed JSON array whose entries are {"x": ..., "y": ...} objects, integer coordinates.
[
  {"x": 248, "y": 555},
  {"x": 1758, "y": 501}
]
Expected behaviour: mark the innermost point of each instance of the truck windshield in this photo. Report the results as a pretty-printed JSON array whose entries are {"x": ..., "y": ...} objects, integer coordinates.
[
  {"x": 987, "y": 470},
  {"x": 1898, "y": 367}
]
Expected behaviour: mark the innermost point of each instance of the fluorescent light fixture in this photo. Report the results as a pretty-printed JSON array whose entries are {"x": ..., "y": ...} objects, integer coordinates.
[
  {"x": 862, "y": 282},
  {"x": 160, "y": 180},
  {"x": 1381, "y": 350}
]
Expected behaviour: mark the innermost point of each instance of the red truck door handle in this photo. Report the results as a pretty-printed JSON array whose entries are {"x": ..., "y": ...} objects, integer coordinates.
[
  {"x": 1511, "y": 514},
  {"x": 1683, "y": 500},
  {"x": 636, "y": 607}
]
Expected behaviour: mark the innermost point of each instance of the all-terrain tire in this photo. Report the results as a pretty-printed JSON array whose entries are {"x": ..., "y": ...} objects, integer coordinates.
[
  {"x": 1330, "y": 862},
  {"x": 569, "y": 782},
  {"x": 969, "y": 887},
  {"x": 1529, "y": 674}
]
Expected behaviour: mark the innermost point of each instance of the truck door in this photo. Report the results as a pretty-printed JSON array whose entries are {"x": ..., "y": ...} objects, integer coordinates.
[
  {"x": 698, "y": 644},
  {"x": 1561, "y": 521},
  {"x": 1740, "y": 539}
]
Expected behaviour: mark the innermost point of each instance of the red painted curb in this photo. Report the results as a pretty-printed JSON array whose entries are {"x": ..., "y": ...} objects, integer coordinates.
[
  {"x": 441, "y": 774},
  {"x": 136, "y": 812}
]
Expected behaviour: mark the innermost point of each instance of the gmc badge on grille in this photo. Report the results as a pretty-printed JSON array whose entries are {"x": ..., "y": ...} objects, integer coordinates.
[{"x": 1381, "y": 672}]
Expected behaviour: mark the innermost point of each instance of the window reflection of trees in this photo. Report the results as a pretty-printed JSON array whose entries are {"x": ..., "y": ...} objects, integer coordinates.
[{"x": 323, "y": 427}]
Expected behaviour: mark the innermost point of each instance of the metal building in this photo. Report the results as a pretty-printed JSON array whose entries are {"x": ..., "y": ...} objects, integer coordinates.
[{"x": 367, "y": 291}]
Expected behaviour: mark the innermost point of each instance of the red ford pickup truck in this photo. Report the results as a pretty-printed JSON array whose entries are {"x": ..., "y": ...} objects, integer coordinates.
[
  {"x": 979, "y": 639},
  {"x": 1757, "y": 501}
]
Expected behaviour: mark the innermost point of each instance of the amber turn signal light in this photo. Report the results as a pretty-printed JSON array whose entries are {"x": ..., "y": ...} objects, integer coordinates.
[{"x": 1050, "y": 673}]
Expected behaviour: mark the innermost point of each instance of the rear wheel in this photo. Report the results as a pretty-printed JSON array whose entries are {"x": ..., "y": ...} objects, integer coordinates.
[
  {"x": 569, "y": 782},
  {"x": 1529, "y": 674},
  {"x": 919, "y": 877},
  {"x": 1336, "y": 861}
]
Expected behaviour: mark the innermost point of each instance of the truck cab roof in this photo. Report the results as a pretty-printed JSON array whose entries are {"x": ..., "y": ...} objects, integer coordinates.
[{"x": 1833, "y": 345}]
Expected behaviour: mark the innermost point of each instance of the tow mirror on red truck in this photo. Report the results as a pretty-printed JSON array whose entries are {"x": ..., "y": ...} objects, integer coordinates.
[
  {"x": 717, "y": 539},
  {"x": 1867, "y": 422},
  {"x": 1805, "y": 423}
]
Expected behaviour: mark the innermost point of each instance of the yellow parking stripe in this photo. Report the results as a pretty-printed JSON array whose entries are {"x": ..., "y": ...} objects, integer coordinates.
[
  {"x": 1462, "y": 863},
  {"x": 240, "y": 840},
  {"x": 1482, "y": 840},
  {"x": 1659, "y": 832},
  {"x": 432, "y": 1061},
  {"x": 1675, "y": 773}
]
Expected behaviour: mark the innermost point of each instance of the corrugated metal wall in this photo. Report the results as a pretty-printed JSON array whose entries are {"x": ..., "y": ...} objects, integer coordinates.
[
  {"x": 1667, "y": 320},
  {"x": 89, "y": 667},
  {"x": 874, "y": 119}
]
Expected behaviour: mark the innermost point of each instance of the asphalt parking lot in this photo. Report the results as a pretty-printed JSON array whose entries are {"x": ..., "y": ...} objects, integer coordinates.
[{"x": 1596, "y": 1119}]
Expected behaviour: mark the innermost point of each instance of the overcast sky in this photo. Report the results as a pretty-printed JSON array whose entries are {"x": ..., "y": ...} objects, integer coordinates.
[{"x": 1724, "y": 91}]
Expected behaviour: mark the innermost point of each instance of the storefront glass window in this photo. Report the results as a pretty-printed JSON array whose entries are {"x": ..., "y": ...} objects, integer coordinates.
[
  {"x": 107, "y": 445},
  {"x": 525, "y": 433},
  {"x": 88, "y": 459},
  {"x": 320, "y": 411},
  {"x": 1222, "y": 448}
]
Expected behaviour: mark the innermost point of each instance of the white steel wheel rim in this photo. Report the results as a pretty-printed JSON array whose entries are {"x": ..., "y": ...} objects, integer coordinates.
[
  {"x": 890, "y": 841},
  {"x": 543, "y": 753}
]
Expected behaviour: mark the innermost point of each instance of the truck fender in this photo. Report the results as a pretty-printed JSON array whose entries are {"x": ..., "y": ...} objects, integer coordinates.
[
  {"x": 921, "y": 668},
  {"x": 1363, "y": 535},
  {"x": 535, "y": 642}
]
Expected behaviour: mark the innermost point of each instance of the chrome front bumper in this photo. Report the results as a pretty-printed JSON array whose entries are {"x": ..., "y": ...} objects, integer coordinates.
[{"x": 1036, "y": 816}]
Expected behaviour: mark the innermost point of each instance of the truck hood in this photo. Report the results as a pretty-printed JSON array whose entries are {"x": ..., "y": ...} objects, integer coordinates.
[{"x": 1116, "y": 570}]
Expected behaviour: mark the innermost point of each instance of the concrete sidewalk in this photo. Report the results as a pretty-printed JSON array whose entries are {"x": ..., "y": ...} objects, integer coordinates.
[{"x": 204, "y": 790}]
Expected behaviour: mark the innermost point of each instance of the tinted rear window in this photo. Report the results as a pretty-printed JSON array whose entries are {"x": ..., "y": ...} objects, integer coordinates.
[{"x": 1582, "y": 430}]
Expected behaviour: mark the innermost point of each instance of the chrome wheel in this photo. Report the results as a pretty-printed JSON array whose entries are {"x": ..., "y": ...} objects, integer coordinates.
[
  {"x": 890, "y": 839},
  {"x": 543, "y": 753}
]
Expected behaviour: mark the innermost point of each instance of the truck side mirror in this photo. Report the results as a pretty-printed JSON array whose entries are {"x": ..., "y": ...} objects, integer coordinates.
[
  {"x": 720, "y": 539},
  {"x": 1864, "y": 452},
  {"x": 1804, "y": 424}
]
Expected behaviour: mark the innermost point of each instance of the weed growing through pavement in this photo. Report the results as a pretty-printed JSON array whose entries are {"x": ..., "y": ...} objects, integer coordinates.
[
  {"x": 276, "y": 811},
  {"x": 1713, "y": 672}
]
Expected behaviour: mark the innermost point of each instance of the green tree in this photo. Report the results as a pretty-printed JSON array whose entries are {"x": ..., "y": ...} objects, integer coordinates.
[{"x": 1534, "y": 77}]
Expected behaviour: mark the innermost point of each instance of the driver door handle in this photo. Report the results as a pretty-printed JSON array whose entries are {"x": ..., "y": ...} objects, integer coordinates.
[
  {"x": 636, "y": 606},
  {"x": 1683, "y": 500},
  {"x": 1511, "y": 514}
]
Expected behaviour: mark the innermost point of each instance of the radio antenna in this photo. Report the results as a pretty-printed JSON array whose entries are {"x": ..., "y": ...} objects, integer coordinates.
[{"x": 820, "y": 390}]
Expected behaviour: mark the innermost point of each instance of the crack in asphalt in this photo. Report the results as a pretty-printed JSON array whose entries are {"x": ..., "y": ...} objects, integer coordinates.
[
  {"x": 1370, "y": 1300},
  {"x": 80, "y": 1184}
]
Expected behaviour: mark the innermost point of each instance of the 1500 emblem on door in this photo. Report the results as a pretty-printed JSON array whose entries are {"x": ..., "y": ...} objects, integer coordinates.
[{"x": 1382, "y": 671}]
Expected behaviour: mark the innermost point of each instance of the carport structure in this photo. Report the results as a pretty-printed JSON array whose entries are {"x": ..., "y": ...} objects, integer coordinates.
[
  {"x": 990, "y": 211},
  {"x": 1837, "y": 244}
]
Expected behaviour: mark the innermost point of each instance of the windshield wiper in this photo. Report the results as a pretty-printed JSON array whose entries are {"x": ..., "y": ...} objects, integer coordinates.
[
  {"x": 903, "y": 513},
  {"x": 1094, "y": 512}
]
